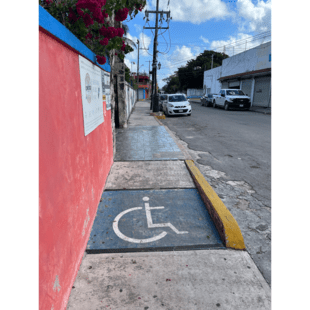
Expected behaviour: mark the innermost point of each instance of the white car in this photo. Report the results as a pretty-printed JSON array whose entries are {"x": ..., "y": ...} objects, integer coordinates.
[
  {"x": 177, "y": 104},
  {"x": 232, "y": 99}
]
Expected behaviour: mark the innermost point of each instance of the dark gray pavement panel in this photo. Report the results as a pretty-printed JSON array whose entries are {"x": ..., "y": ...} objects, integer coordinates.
[{"x": 154, "y": 220}]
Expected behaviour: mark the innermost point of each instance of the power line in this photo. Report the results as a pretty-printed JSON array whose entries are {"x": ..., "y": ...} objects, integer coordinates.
[
  {"x": 257, "y": 37},
  {"x": 219, "y": 48}
]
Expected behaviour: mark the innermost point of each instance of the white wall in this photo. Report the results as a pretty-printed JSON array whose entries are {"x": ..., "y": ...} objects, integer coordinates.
[
  {"x": 131, "y": 98},
  {"x": 193, "y": 92},
  {"x": 251, "y": 60},
  {"x": 210, "y": 80}
]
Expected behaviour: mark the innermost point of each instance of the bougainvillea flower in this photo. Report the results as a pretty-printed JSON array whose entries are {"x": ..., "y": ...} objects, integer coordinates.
[
  {"x": 104, "y": 14},
  {"x": 87, "y": 20},
  {"x": 111, "y": 32},
  {"x": 120, "y": 32},
  {"x": 72, "y": 17},
  {"x": 89, "y": 36},
  {"x": 101, "y": 3},
  {"x": 103, "y": 31},
  {"x": 92, "y": 5},
  {"x": 121, "y": 14},
  {"x": 104, "y": 42},
  {"x": 101, "y": 60}
]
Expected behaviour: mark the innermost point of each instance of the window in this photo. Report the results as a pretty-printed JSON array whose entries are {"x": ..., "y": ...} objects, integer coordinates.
[
  {"x": 177, "y": 98},
  {"x": 235, "y": 92}
]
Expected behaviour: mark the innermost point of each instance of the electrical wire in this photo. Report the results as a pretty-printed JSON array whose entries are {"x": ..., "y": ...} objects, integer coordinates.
[
  {"x": 262, "y": 34},
  {"x": 222, "y": 47},
  {"x": 168, "y": 47},
  {"x": 143, "y": 40},
  {"x": 241, "y": 42}
]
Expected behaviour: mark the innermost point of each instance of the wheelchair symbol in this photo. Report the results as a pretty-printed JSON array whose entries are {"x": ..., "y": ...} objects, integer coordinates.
[{"x": 149, "y": 224}]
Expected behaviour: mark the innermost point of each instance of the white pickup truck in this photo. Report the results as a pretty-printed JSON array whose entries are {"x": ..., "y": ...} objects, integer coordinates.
[{"x": 232, "y": 99}]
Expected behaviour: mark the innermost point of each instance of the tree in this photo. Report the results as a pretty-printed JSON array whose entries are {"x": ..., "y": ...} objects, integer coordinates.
[
  {"x": 191, "y": 75},
  {"x": 129, "y": 79},
  {"x": 172, "y": 86}
]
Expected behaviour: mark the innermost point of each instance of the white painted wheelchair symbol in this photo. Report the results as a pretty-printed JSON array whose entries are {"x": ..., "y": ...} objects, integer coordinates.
[{"x": 149, "y": 224}]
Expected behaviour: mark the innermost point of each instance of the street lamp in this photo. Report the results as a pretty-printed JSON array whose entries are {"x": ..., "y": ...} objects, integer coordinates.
[{"x": 159, "y": 65}]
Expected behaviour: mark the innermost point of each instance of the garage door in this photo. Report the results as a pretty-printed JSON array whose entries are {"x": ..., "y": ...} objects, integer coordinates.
[
  {"x": 224, "y": 85},
  {"x": 262, "y": 91},
  {"x": 247, "y": 87},
  {"x": 234, "y": 84},
  {"x": 140, "y": 94}
]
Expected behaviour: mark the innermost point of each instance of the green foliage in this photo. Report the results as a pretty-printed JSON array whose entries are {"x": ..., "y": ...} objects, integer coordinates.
[
  {"x": 129, "y": 79},
  {"x": 86, "y": 27},
  {"x": 190, "y": 76},
  {"x": 173, "y": 85}
]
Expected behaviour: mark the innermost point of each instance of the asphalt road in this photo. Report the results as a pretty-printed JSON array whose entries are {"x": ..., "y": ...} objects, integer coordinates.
[{"x": 233, "y": 151}]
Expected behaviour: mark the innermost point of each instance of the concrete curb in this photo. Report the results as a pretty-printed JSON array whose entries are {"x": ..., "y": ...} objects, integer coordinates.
[
  {"x": 262, "y": 112},
  {"x": 225, "y": 223}
]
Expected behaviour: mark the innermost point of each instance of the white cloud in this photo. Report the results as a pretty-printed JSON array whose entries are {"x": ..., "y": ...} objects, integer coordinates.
[
  {"x": 138, "y": 27},
  {"x": 258, "y": 16},
  {"x": 179, "y": 58},
  {"x": 133, "y": 56},
  {"x": 196, "y": 12},
  {"x": 204, "y": 39},
  {"x": 145, "y": 42},
  {"x": 238, "y": 44}
]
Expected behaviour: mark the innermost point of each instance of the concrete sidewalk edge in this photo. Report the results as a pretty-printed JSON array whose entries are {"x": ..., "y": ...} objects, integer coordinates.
[{"x": 224, "y": 221}]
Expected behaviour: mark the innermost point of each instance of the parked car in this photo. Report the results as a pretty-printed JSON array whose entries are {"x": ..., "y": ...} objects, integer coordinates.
[
  {"x": 208, "y": 100},
  {"x": 177, "y": 104},
  {"x": 232, "y": 99},
  {"x": 162, "y": 98}
]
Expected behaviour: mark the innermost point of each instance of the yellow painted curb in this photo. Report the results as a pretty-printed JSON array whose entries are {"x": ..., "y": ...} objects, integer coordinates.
[
  {"x": 160, "y": 116},
  {"x": 225, "y": 223}
]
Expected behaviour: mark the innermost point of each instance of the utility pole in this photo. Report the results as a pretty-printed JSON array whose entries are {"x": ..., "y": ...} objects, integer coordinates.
[
  {"x": 149, "y": 61},
  {"x": 138, "y": 66},
  {"x": 154, "y": 101},
  {"x": 154, "y": 98},
  {"x": 138, "y": 71},
  {"x": 212, "y": 61}
]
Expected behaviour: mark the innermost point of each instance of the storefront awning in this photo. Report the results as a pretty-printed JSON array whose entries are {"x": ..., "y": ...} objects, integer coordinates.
[{"x": 246, "y": 74}]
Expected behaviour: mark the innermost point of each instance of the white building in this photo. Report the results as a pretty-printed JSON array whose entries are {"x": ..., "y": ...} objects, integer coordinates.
[
  {"x": 194, "y": 93},
  {"x": 249, "y": 71}
]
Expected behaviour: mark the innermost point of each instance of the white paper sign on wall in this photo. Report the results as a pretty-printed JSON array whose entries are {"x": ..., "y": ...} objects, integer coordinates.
[
  {"x": 91, "y": 95},
  {"x": 105, "y": 77}
]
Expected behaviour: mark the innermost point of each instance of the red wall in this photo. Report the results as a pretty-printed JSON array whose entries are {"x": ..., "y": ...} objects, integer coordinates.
[{"x": 73, "y": 170}]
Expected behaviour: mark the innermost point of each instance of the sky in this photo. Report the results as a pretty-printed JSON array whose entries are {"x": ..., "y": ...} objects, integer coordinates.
[{"x": 219, "y": 25}]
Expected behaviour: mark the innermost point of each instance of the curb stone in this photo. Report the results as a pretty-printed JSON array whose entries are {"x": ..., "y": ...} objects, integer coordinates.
[{"x": 224, "y": 221}]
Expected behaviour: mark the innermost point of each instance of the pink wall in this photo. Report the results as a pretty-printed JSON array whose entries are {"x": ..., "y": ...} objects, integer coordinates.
[{"x": 73, "y": 170}]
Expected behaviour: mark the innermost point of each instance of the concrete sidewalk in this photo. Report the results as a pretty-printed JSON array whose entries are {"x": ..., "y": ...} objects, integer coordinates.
[{"x": 175, "y": 257}]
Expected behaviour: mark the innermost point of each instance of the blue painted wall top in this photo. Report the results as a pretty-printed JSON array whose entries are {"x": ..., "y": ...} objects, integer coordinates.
[{"x": 53, "y": 26}]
